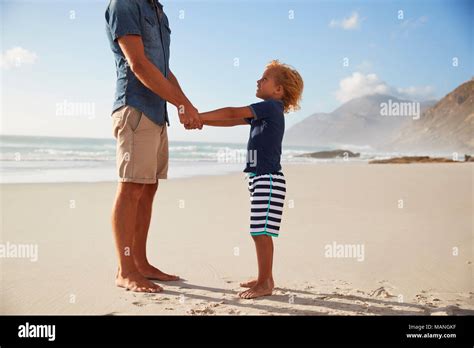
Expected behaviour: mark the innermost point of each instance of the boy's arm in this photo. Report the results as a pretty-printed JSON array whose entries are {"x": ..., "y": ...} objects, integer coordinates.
[
  {"x": 227, "y": 114},
  {"x": 225, "y": 123}
]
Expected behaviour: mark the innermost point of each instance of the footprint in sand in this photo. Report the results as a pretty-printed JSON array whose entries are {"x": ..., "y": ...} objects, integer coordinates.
[
  {"x": 203, "y": 311},
  {"x": 359, "y": 302},
  {"x": 150, "y": 296},
  {"x": 232, "y": 311},
  {"x": 381, "y": 292}
]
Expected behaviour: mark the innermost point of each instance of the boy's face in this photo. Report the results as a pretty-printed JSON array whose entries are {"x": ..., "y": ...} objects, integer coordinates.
[{"x": 267, "y": 87}]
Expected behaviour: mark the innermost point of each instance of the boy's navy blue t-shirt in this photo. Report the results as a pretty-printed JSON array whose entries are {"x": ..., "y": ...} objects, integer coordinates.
[{"x": 266, "y": 135}]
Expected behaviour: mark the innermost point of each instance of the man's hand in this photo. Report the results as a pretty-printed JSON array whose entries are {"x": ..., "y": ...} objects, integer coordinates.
[{"x": 188, "y": 116}]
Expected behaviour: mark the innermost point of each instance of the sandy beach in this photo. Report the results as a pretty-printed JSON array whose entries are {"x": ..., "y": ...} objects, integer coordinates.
[{"x": 356, "y": 239}]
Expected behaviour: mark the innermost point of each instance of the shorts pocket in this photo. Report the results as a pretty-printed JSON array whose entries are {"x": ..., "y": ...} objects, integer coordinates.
[
  {"x": 133, "y": 119},
  {"x": 136, "y": 120}
]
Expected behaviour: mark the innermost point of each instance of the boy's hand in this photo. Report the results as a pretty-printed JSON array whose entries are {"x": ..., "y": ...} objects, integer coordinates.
[
  {"x": 198, "y": 124},
  {"x": 197, "y": 121},
  {"x": 189, "y": 127}
]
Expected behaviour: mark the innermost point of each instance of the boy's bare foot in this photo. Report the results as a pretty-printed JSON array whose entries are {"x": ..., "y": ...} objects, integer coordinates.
[
  {"x": 259, "y": 289},
  {"x": 136, "y": 282},
  {"x": 154, "y": 273},
  {"x": 251, "y": 283}
]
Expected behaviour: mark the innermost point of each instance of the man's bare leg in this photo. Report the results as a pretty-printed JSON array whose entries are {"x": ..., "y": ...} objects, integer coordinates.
[
  {"x": 264, "y": 285},
  {"x": 123, "y": 224},
  {"x": 142, "y": 225}
]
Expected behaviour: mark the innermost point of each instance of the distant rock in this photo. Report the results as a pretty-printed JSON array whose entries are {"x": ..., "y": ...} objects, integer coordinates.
[
  {"x": 330, "y": 154},
  {"x": 446, "y": 127},
  {"x": 468, "y": 158},
  {"x": 414, "y": 159}
]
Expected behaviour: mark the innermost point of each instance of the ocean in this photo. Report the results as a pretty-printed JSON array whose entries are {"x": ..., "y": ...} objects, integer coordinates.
[{"x": 35, "y": 159}]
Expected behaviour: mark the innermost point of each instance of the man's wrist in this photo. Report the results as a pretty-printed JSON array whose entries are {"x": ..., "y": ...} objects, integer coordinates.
[{"x": 183, "y": 106}]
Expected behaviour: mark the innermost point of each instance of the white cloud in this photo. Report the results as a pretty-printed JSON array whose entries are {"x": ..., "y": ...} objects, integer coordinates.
[
  {"x": 348, "y": 23},
  {"x": 414, "y": 23},
  {"x": 408, "y": 25},
  {"x": 16, "y": 57},
  {"x": 359, "y": 84},
  {"x": 416, "y": 92}
]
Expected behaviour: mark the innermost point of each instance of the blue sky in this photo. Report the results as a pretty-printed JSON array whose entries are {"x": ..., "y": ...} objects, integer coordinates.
[{"x": 56, "y": 52}]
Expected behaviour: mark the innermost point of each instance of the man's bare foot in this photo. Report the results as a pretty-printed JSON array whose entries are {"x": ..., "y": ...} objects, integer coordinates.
[
  {"x": 252, "y": 282},
  {"x": 259, "y": 289},
  {"x": 154, "y": 273},
  {"x": 136, "y": 282}
]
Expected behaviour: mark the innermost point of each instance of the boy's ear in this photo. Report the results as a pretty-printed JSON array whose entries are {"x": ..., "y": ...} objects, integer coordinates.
[{"x": 279, "y": 89}]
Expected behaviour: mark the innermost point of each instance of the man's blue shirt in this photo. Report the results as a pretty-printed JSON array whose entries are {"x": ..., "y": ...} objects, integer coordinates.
[{"x": 147, "y": 19}]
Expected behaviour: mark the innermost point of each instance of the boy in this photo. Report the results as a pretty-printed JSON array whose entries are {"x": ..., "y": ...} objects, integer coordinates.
[{"x": 281, "y": 88}]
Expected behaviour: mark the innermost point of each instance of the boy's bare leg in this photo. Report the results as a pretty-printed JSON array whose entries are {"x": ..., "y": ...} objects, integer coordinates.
[
  {"x": 252, "y": 282},
  {"x": 264, "y": 284},
  {"x": 142, "y": 225},
  {"x": 124, "y": 213}
]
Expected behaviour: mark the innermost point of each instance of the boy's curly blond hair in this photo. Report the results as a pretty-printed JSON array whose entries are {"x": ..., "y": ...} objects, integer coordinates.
[{"x": 286, "y": 76}]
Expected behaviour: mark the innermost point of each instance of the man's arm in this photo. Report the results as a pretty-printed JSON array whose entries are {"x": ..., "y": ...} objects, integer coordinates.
[
  {"x": 153, "y": 79},
  {"x": 147, "y": 72},
  {"x": 172, "y": 78},
  {"x": 174, "y": 81}
]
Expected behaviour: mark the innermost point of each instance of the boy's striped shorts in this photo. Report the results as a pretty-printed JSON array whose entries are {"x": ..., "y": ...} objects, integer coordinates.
[{"x": 267, "y": 198}]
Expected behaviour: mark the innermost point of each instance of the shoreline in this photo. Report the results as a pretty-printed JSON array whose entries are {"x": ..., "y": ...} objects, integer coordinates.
[{"x": 240, "y": 171}]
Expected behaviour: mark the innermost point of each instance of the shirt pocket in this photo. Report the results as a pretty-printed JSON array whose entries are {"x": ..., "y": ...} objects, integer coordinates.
[{"x": 151, "y": 31}]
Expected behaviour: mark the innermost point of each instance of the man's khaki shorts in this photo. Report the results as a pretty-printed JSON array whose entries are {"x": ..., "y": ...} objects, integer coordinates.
[{"x": 142, "y": 147}]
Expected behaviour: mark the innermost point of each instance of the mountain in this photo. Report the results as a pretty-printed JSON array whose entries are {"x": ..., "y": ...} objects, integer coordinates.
[
  {"x": 357, "y": 122},
  {"x": 446, "y": 127}
]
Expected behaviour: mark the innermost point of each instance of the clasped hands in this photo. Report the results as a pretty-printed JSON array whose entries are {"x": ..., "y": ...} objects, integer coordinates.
[{"x": 189, "y": 117}]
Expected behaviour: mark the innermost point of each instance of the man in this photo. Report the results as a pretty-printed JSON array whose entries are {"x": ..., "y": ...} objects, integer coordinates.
[{"x": 139, "y": 35}]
